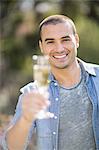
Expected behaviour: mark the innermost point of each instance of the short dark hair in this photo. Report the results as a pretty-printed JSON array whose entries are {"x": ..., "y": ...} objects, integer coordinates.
[{"x": 55, "y": 19}]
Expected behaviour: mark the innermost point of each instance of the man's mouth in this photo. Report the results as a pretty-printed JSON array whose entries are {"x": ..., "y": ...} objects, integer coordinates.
[{"x": 60, "y": 56}]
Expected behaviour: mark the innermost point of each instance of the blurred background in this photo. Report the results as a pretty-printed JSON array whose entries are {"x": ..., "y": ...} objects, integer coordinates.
[{"x": 19, "y": 20}]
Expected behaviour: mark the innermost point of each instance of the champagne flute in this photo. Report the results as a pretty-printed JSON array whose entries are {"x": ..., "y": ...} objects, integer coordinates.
[{"x": 41, "y": 70}]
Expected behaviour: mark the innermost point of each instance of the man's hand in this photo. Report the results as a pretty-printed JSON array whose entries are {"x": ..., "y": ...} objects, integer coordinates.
[{"x": 33, "y": 104}]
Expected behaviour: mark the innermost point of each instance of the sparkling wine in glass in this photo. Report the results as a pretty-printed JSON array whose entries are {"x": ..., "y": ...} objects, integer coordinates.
[{"x": 41, "y": 70}]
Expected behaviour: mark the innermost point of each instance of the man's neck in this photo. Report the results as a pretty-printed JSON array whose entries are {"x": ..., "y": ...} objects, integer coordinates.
[{"x": 69, "y": 76}]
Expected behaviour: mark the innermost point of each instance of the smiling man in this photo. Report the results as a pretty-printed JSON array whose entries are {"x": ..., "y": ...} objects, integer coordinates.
[{"x": 73, "y": 95}]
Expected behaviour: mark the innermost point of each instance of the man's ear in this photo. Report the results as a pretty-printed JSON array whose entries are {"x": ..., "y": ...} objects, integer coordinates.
[
  {"x": 77, "y": 40},
  {"x": 40, "y": 45}
]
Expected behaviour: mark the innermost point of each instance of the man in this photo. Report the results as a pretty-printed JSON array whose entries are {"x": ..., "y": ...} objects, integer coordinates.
[{"x": 73, "y": 96}]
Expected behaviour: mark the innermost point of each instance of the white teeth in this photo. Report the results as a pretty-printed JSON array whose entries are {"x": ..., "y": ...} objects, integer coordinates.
[{"x": 58, "y": 56}]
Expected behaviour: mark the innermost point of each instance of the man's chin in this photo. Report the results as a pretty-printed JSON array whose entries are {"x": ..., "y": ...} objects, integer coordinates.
[{"x": 61, "y": 66}]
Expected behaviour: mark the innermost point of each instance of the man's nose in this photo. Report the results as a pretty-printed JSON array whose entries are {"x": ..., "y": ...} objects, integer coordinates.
[{"x": 59, "y": 47}]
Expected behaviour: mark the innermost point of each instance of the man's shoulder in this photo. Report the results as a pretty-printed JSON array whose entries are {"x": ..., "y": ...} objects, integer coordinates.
[{"x": 91, "y": 68}]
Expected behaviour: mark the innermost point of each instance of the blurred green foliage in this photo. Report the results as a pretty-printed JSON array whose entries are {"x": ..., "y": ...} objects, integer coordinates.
[
  {"x": 19, "y": 36},
  {"x": 89, "y": 35}
]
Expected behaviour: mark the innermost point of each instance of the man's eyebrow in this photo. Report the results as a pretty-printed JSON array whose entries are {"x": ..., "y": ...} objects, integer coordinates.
[
  {"x": 49, "y": 39},
  {"x": 64, "y": 37}
]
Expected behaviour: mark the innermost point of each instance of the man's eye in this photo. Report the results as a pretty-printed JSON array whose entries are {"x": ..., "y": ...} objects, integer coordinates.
[
  {"x": 49, "y": 42},
  {"x": 66, "y": 40}
]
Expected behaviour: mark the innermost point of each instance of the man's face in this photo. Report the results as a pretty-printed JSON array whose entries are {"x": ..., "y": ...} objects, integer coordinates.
[{"x": 60, "y": 44}]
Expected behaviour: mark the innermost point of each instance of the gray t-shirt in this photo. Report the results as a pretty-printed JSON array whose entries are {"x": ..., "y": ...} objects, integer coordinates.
[{"x": 75, "y": 129}]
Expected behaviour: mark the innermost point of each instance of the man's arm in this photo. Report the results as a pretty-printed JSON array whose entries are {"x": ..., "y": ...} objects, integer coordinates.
[
  {"x": 18, "y": 132},
  {"x": 17, "y": 135}
]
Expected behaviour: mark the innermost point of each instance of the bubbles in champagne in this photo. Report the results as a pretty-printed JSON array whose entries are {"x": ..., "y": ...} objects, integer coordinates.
[{"x": 41, "y": 70}]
